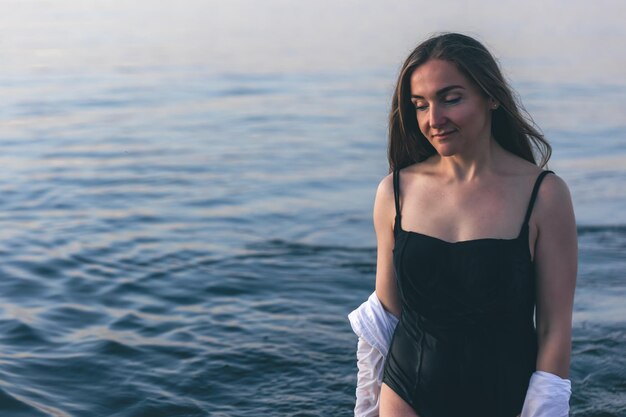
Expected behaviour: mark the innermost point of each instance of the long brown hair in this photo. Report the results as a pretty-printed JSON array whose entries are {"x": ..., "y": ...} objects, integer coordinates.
[{"x": 516, "y": 133}]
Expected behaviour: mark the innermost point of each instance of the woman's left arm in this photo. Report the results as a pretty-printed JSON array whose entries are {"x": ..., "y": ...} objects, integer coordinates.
[{"x": 556, "y": 265}]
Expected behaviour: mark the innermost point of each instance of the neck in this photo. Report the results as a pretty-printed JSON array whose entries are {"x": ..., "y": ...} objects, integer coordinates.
[{"x": 470, "y": 164}]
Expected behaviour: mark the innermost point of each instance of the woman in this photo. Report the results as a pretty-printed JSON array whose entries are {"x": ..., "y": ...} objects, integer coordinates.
[{"x": 472, "y": 235}]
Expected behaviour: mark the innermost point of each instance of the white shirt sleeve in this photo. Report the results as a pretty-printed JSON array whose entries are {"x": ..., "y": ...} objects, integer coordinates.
[
  {"x": 373, "y": 323},
  {"x": 374, "y": 326},
  {"x": 369, "y": 379},
  {"x": 547, "y": 396}
]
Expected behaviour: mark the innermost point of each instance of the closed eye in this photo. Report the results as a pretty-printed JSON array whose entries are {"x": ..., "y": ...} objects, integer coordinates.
[{"x": 447, "y": 102}]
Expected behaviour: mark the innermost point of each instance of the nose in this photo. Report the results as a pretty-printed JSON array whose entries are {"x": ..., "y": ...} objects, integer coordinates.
[{"x": 436, "y": 117}]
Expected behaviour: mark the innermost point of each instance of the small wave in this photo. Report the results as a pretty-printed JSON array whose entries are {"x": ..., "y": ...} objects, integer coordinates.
[{"x": 18, "y": 406}]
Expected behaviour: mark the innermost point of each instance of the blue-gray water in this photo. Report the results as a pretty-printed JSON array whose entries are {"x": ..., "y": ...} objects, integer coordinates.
[{"x": 181, "y": 238}]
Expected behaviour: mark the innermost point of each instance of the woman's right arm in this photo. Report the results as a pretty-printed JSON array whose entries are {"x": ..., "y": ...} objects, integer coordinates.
[
  {"x": 384, "y": 216},
  {"x": 374, "y": 322}
]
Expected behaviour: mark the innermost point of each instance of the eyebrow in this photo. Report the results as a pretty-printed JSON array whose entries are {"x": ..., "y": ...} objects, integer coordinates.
[{"x": 442, "y": 91}]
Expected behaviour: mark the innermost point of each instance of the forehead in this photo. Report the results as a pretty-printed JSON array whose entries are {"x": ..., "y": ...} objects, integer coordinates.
[{"x": 434, "y": 75}]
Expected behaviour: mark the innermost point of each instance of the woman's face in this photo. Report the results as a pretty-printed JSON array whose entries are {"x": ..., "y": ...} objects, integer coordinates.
[{"x": 451, "y": 111}]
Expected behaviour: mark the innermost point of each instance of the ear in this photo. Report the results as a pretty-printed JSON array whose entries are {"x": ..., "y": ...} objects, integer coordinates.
[{"x": 493, "y": 103}]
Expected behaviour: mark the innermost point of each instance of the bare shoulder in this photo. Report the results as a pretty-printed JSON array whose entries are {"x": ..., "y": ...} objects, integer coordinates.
[
  {"x": 554, "y": 212},
  {"x": 384, "y": 192},
  {"x": 385, "y": 186},
  {"x": 516, "y": 165},
  {"x": 416, "y": 173},
  {"x": 553, "y": 196},
  {"x": 384, "y": 206}
]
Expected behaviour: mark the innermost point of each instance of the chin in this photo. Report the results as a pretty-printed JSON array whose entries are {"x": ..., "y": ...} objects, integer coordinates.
[{"x": 446, "y": 151}]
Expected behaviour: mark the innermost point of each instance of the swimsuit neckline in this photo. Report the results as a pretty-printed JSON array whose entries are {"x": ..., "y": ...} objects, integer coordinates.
[
  {"x": 469, "y": 242},
  {"x": 459, "y": 242}
]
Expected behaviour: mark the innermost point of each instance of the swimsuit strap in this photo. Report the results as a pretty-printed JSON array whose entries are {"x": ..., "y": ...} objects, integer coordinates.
[
  {"x": 534, "y": 195},
  {"x": 396, "y": 192}
]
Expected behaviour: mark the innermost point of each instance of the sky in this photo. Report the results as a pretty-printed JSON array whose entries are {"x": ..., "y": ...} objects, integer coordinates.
[{"x": 571, "y": 40}]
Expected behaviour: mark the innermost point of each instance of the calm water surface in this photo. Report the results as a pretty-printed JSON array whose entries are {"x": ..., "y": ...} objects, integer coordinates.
[{"x": 180, "y": 239}]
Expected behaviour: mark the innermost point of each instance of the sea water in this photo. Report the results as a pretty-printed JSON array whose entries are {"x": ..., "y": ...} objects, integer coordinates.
[{"x": 180, "y": 238}]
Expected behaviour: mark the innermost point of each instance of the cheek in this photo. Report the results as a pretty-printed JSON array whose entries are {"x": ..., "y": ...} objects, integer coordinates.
[
  {"x": 422, "y": 121},
  {"x": 461, "y": 112}
]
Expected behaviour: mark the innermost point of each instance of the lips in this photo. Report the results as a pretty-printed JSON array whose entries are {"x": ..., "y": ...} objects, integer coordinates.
[{"x": 443, "y": 134}]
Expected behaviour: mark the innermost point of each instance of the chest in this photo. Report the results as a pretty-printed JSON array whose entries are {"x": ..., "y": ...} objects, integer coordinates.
[{"x": 456, "y": 215}]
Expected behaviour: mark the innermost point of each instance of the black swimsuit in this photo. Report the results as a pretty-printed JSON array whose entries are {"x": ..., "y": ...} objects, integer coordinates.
[{"x": 466, "y": 342}]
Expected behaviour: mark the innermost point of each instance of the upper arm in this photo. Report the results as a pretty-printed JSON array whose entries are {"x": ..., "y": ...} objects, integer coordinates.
[
  {"x": 384, "y": 214},
  {"x": 556, "y": 265}
]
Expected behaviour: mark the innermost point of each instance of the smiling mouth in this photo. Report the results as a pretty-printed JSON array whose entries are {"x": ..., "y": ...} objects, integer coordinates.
[{"x": 444, "y": 134}]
